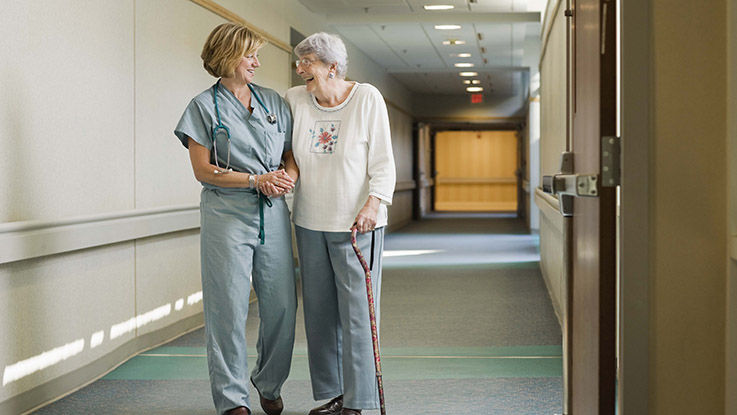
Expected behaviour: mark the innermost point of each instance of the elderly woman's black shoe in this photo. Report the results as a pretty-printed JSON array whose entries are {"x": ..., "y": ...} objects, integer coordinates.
[
  {"x": 348, "y": 411},
  {"x": 241, "y": 410},
  {"x": 334, "y": 407}
]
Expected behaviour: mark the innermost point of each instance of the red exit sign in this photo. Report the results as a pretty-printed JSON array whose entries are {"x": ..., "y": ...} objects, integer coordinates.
[{"x": 477, "y": 98}]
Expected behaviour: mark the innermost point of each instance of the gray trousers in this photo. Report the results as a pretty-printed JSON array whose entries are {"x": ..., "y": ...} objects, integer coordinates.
[
  {"x": 231, "y": 251},
  {"x": 339, "y": 345}
]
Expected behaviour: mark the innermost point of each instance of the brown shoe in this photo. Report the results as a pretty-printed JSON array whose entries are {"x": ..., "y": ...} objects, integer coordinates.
[
  {"x": 270, "y": 407},
  {"x": 331, "y": 408},
  {"x": 241, "y": 410},
  {"x": 348, "y": 411}
]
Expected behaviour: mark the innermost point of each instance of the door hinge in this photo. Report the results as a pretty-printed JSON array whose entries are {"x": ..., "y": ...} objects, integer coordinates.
[{"x": 611, "y": 159}]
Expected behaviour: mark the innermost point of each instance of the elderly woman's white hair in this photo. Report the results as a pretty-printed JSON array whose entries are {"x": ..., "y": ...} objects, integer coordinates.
[{"x": 329, "y": 48}]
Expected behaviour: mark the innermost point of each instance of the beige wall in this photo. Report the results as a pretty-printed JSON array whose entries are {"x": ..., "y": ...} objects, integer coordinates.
[
  {"x": 688, "y": 240},
  {"x": 400, "y": 212}
]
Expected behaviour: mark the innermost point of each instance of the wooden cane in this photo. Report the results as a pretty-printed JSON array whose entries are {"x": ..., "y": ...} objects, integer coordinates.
[{"x": 372, "y": 318}]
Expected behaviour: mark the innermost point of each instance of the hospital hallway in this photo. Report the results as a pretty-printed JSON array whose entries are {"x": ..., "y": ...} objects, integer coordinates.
[{"x": 467, "y": 327}]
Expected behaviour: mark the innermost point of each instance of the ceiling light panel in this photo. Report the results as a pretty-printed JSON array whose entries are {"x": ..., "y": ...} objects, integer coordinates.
[
  {"x": 468, "y": 73},
  {"x": 419, "y": 5},
  {"x": 447, "y": 27},
  {"x": 434, "y": 7},
  {"x": 463, "y": 65},
  {"x": 474, "y": 89}
]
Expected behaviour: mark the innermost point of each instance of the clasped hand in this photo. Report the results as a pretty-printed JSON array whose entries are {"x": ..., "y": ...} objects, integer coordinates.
[{"x": 275, "y": 183}]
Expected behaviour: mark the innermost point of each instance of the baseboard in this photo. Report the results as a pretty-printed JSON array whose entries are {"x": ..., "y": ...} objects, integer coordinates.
[{"x": 62, "y": 386}]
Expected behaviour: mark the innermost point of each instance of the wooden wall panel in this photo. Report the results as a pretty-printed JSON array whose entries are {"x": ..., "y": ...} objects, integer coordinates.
[{"x": 476, "y": 170}]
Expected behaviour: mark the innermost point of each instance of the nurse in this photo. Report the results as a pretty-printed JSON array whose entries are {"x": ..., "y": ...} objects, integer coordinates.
[{"x": 237, "y": 134}]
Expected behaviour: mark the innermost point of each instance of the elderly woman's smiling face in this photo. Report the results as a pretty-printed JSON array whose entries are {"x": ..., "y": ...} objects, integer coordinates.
[{"x": 313, "y": 71}]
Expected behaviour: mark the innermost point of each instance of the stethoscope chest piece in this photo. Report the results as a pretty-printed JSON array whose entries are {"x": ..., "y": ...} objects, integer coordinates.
[{"x": 271, "y": 118}]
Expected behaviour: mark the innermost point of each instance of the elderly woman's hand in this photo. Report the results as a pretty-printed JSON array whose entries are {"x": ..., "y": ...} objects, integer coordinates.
[
  {"x": 275, "y": 183},
  {"x": 366, "y": 218}
]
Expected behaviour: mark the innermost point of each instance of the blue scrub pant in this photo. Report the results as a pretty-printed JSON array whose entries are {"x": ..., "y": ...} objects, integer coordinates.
[
  {"x": 231, "y": 251},
  {"x": 339, "y": 345}
]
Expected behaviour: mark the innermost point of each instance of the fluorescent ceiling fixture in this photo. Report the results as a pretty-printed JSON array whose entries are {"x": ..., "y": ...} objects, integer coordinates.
[
  {"x": 467, "y": 82},
  {"x": 454, "y": 42},
  {"x": 447, "y": 26},
  {"x": 474, "y": 89},
  {"x": 438, "y": 7},
  {"x": 461, "y": 55},
  {"x": 475, "y": 82},
  {"x": 463, "y": 65},
  {"x": 468, "y": 73}
]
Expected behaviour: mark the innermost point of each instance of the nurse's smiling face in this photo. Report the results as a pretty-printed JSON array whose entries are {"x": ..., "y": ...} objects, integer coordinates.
[{"x": 246, "y": 69}]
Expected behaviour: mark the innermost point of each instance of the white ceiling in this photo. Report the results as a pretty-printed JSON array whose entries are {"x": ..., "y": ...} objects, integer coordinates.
[{"x": 502, "y": 36}]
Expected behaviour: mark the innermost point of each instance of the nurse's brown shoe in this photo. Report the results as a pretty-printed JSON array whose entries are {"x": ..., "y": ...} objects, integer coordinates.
[
  {"x": 348, "y": 411},
  {"x": 271, "y": 407},
  {"x": 331, "y": 408},
  {"x": 241, "y": 410}
]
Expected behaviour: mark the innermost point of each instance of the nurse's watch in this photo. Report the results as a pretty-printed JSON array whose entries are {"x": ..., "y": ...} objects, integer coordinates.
[{"x": 251, "y": 181}]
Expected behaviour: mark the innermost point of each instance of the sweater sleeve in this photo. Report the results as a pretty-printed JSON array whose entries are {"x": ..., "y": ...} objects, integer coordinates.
[{"x": 381, "y": 169}]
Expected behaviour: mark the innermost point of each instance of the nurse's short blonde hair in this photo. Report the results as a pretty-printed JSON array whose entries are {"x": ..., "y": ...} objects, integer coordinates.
[{"x": 226, "y": 45}]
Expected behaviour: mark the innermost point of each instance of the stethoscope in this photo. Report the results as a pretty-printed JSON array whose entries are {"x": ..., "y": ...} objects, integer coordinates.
[{"x": 222, "y": 131}]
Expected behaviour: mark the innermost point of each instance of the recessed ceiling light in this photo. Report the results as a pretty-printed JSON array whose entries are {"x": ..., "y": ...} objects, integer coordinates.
[
  {"x": 474, "y": 89},
  {"x": 467, "y": 82},
  {"x": 475, "y": 82},
  {"x": 454, "y": 42},
  {"x": 447, "y": 26},
  {"x": 461, "y": 55},
  {"x": 463, "y": 65},
  {"x": 468, "y": 73},
  {"x": 438, "y": 7}
]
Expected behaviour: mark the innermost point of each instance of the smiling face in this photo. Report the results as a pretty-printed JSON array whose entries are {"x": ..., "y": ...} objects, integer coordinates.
[
  {"x": 313, "y": 71},
  {"x": 246, "y": 69}
]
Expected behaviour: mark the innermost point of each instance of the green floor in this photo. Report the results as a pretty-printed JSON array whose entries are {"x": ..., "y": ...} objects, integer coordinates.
[{"x": 467, "y": 327}]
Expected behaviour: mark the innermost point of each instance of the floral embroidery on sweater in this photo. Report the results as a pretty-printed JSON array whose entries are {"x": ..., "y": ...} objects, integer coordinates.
[{"x": 324, "y": 136}]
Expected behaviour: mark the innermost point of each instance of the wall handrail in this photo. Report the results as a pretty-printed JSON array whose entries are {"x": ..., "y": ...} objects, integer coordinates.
[
  {"x": 33, "y": 239},
  {"x": 233, "y": 17},
  {"x": 475, "y": 180}
]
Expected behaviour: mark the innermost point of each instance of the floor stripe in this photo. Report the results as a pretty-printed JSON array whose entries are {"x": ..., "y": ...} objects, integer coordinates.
[{"x": 383, "y": 356}]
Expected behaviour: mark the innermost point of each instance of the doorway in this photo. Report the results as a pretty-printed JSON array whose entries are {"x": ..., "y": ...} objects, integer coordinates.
[{"x": 476, "y": 171}]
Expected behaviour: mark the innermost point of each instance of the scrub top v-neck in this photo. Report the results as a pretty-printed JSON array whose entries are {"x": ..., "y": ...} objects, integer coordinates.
[{"x": 256, "y": 145}]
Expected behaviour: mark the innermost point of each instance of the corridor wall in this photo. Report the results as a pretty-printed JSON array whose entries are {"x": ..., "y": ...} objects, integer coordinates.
[
  {"x": 99, "y": 239},
  {"x": 554, "y": 228}
]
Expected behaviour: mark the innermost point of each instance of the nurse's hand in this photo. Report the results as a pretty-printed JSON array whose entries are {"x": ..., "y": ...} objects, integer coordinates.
[
  {"x": 366, "y": 219},
  {"x": 275, "y": 183}
]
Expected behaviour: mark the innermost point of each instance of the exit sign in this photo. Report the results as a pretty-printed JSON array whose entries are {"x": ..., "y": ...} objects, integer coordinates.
[{"x": 477, "y": 98}]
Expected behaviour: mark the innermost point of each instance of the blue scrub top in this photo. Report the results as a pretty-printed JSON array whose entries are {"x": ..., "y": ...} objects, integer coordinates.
[{"x": 256, "y": 145}]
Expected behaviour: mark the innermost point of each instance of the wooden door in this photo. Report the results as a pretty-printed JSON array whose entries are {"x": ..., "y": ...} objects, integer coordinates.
[
  {"x": 593, "y": 115},
  {"x": 476, "y": 171}
]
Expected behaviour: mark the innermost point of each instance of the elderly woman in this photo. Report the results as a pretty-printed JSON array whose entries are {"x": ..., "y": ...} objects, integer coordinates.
[
  {"x": 342, "y": 146},
  {"x": 237, "y": 134}
]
